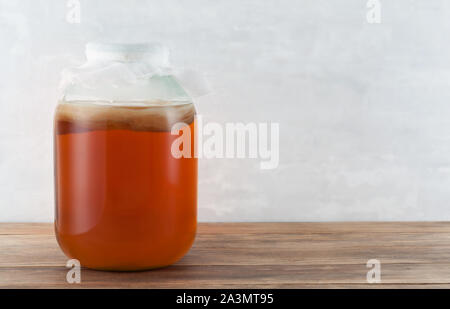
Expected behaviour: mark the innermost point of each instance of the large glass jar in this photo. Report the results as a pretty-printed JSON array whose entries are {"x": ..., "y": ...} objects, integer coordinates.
[{"x": 124, "y": 200}]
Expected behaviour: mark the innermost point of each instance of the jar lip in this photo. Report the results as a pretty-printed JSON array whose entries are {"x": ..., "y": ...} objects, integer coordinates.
[{"x": 153, "y": 52}]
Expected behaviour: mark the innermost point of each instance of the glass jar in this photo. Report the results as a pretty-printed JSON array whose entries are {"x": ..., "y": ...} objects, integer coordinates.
[{"x": 124, "y": 201}]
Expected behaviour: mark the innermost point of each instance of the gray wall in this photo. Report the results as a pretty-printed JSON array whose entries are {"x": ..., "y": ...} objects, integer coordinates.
[{"x": 364, "y": 109}]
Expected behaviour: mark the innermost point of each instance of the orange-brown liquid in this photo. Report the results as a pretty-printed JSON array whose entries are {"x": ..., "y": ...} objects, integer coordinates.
[{"x": 123, "y": 202}]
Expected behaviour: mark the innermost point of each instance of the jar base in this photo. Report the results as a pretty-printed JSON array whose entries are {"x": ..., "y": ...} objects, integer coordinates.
[{"x": 127, "y": 269}]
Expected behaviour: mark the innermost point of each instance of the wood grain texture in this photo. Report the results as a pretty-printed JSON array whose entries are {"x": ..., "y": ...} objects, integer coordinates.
[{"x": 252, "y": 255}]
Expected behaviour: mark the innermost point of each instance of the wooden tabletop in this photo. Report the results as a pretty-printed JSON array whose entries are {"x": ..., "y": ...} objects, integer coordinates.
[{"x": 251, "y": 255}]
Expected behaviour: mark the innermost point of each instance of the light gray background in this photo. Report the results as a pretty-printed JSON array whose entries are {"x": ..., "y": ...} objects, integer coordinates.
[{"x": 364, "y": 109}]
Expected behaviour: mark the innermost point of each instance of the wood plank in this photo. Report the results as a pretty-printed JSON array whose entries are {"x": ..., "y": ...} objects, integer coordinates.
[
  {"x": 26, "y": 229},
  {"x": 270, "y": 227},
  {"x": 188, "y": 276},
  {"x": 323, "y": 227},
  {"x": 258, "y": 250},
  {"x": 253, "y": 255}
]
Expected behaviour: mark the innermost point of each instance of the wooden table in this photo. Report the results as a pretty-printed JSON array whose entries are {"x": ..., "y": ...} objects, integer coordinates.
[{"x": 252, "y": 255}]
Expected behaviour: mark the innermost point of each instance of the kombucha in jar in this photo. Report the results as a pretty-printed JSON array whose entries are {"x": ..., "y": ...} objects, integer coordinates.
[{"x": 123, "y": 200}]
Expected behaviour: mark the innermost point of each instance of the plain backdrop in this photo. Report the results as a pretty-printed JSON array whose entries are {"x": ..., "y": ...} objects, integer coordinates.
[{"x": 364, "y": 109}]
